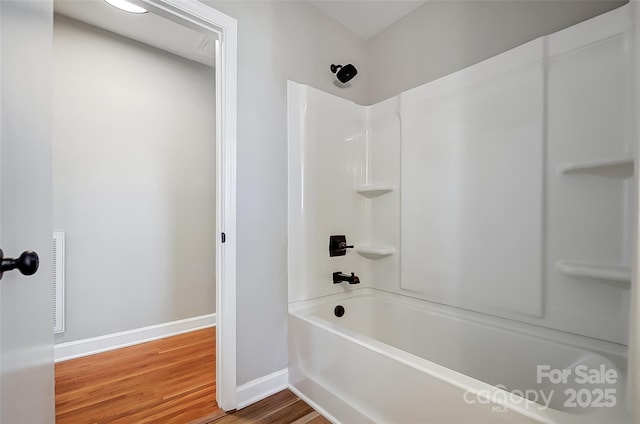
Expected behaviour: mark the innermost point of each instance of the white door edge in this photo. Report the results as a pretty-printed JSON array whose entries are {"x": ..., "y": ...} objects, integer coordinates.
[{"x": 226, "y": 128}]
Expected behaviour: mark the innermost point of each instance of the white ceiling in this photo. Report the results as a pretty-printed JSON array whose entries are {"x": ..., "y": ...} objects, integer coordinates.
[
  {"x": 148, "y": 28},
  {"x": 367, "y": 18}
]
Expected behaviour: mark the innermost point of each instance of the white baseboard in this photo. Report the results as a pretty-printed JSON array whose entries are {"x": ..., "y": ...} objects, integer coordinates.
[
  {"x": 85, "y": 347},
  {"x": 261, "y": 388}
]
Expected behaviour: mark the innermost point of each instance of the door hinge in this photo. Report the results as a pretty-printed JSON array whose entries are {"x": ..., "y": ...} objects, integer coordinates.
[{"x": 224, "y": 237}]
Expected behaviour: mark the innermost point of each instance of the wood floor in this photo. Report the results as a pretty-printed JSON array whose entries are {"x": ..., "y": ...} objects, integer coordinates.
[
  {"x": 165, "y": 381},
  {"x": 283, "y": 407}
]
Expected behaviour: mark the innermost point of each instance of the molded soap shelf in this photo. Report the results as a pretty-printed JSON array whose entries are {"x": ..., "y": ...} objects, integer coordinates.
[
  {"x": 611, "y": 167},
  {"x": 374, "y": 251},
  {"x": 373, "y": 190},
  {"x": 618, "y": 273}
]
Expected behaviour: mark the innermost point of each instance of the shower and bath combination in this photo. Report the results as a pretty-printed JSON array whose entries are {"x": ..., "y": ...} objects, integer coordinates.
[{"x": 465, "y": 293}]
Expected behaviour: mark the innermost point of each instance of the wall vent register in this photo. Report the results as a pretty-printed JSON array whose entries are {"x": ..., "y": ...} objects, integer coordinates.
[{"x": 58, "y": 282}]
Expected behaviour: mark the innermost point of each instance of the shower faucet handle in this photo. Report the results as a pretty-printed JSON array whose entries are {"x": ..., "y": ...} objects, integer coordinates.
[{"x": 338, "y": 245}]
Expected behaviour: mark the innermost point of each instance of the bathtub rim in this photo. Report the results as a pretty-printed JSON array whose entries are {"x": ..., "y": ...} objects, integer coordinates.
[
  {"x": 306, "y": 309},
  {"x": 610, "y": 350}
]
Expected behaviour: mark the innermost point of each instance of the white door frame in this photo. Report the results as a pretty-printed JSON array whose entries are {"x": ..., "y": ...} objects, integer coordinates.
[
  {"x": 634, "y": 342},
  {"x": 203, "y": 16}
]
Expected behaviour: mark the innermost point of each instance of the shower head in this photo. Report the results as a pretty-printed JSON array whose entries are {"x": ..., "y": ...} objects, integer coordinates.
[{"x": 344, "y": 73}]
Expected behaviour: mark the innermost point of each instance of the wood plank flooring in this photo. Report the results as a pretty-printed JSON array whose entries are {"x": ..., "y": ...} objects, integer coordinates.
[
  {"x": 281, "y": 408},
  {"x": 168, "y": 381}
]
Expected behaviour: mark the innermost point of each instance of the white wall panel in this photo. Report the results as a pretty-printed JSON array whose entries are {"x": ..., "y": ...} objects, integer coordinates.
[
  {"x": 472, "y": 192},
  {"x": 588, "y": 215},
  {"x": 383, "y": 167},
  {"x": 327, "y": 161}
]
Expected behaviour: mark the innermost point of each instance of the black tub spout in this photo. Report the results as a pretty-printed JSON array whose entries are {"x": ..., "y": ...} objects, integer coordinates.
[{"x": 339, "y": 277}]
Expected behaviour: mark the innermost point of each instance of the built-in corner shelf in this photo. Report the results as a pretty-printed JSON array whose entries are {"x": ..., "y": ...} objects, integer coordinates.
[
  {"x": 373, "y": 190},
  {"x": 611, "y": 167},
  {"x": 619, "y": 274},
  {"x": 374, "y": 251}
]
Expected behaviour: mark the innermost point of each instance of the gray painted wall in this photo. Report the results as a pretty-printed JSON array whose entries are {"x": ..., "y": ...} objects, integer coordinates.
[
  {"x": 134, "y": 182},
  {"x": 277, "y": 41},
  {"x": 442, "y": 37}
]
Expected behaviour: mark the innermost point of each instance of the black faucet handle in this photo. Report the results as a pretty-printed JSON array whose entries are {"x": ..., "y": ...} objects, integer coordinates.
[{"x": 338, "y": 245}]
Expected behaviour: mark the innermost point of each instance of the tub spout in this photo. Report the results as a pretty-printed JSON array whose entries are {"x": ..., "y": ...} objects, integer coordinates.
[{"x": 339, "y": 277}]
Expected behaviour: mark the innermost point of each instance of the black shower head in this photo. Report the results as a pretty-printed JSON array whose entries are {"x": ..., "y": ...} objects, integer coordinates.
[{"x": 344, "y": 73}]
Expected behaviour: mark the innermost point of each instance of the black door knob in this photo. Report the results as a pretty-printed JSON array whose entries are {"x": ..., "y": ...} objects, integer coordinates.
[{"x": 27, "y": 263}]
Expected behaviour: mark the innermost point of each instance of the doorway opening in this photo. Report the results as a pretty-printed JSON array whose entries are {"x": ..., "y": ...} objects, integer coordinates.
[{"x": 153, "y": 200}]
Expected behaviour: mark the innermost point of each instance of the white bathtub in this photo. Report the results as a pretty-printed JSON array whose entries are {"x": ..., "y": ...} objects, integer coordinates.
[{"x": 393, "y": 359}]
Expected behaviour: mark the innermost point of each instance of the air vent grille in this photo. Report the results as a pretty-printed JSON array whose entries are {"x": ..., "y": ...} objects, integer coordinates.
[{"x": 58, "y": 282}]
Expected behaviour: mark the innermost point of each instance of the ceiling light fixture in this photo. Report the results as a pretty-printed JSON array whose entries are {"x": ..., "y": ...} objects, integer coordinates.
[{"x": 127, "y": 6}]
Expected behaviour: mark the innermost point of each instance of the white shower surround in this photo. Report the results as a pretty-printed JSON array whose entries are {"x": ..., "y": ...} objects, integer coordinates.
[{"x": 563, "y": 166}]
